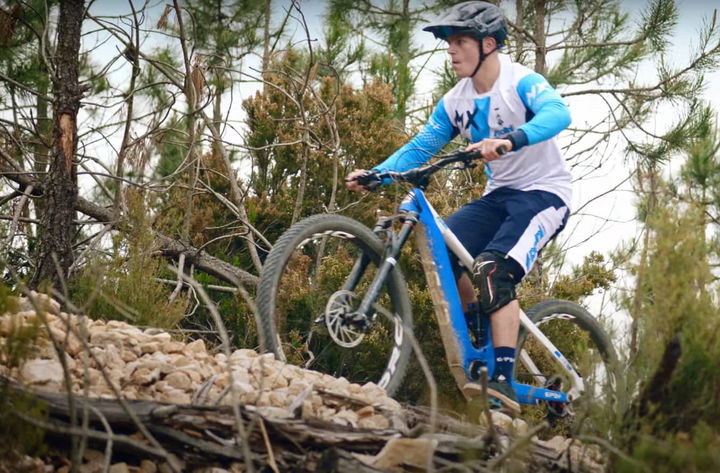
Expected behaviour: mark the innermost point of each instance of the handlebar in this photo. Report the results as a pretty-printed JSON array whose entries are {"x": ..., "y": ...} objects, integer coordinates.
[{"x": 418, "y": 176}]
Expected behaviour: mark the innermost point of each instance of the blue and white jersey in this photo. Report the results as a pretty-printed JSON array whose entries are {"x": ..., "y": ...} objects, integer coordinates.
[{"x": 520, "y": 99}]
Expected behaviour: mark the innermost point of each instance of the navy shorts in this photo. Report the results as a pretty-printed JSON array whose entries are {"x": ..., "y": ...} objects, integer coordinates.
[{"x": 513, "y": 222}]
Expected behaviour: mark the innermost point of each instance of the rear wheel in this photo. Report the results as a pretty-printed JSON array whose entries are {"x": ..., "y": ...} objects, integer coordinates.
[
  {"x": 583, "y": 342},
  {"x": 315, "y": 276}
]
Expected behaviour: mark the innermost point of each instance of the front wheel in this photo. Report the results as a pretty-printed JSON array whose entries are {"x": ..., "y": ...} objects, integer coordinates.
[
  {"x": 314, "y": 278},
  {"x": 583, "y": 342}
]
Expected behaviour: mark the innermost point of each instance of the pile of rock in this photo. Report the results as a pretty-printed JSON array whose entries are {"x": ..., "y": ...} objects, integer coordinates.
[
  {"x": 114, "y": 359},
  {"x": 110, "y": 358}
]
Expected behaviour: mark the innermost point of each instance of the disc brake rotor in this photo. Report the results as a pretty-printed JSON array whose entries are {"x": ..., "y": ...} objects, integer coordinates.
[{"x": 343, "y": 333}]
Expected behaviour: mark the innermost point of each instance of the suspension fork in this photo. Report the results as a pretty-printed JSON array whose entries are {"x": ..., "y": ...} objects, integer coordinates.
[{"x": 389, "y": 260}]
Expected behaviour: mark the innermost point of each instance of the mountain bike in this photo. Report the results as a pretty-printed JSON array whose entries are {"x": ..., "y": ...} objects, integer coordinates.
[{"x": 332, "y": 297}]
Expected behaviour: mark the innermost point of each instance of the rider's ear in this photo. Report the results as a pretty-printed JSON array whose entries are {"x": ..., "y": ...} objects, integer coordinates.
[{"x": 488, "y": 43}]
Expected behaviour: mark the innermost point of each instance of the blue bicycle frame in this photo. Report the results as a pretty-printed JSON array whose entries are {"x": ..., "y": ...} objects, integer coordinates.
[{"x": 463, "y": 357}]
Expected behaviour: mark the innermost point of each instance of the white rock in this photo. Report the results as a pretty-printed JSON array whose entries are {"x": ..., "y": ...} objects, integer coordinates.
[
  {"x": 373, "y": 422},
  {"x": 278, "y": 381},
  {"x": 498, "y": 418},
  {"x": 297, "y": 387},
  {"x": 196, "y": 347},
  {"x": 172, "y": 346},
  {"x": 179, "y": 380},
  {"x": 373, "y": 391},
  {"x": 519, "y": 427},
  {"x": 128, "y": 355},
  {"x": 365, "y": 411},
  {"x": 150, "y": 347},
  {"x": 42, "y": 371},
  {"x": 146, "y": 466},
  {"x": 144, "y": 376},
  {"x": 345, "y": 417},
  {"x": 162, "y": 337},
  {"x": 175, "y": 396},
  {"x": 195, "y": 377},
  {"x": 242, "y": 353}
]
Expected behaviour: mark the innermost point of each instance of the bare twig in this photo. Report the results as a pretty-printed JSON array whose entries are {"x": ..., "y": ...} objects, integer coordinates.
[
  {"x": 241, "y": 436},
  {"x": 519, "y": 443}
]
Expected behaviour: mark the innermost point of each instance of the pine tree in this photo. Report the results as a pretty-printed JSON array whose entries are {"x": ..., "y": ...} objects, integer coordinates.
[{"x": 55, "y": 252}]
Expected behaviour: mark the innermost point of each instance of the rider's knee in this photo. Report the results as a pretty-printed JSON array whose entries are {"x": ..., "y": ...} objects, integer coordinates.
[{"x": 495, "y": 275}]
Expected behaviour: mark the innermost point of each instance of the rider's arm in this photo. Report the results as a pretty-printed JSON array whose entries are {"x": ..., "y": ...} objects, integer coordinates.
[
  {"x": 549, "y": 114},
  {"x": 437, "y": 133}
]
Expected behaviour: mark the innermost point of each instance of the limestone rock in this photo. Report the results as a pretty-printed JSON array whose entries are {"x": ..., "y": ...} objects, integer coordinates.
[
  {"x": 146, "y": 466},
  {"x": 150, "y": 365},
  {"x": 119, "y": 468},
  {"x": 42, "y": 371},
  {"x": 398, "y": 452}
]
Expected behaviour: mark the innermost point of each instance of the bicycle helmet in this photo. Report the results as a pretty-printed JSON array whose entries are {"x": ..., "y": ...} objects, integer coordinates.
[{"x": 476, "y": 19}]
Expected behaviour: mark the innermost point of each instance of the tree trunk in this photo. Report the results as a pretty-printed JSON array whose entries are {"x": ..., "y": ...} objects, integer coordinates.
[
  {"x": 539, "y": 33},
  {"x": 55, "y": 255},
  {"x": 404, "y": 82},
  {"x": 44, "y": 127}
]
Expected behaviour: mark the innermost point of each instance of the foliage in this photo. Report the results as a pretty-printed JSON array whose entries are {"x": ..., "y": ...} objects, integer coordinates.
[
  {"x": 330, "y": 106},
  {"x": 592, "y": 274},
  {"x": 8, "y": 303},
  {"x": 676, "y": 297},
  {"x": 348, "y": 129},
  {"x": 124, "y": 286},
  {"x": 16, "y": 435},
  {"x": 695, "y": 451},
  {"x": 17, "y": 343}
]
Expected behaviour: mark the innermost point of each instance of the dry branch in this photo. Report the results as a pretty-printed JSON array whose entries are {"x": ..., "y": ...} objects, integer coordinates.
[
  {"x": 202, "y": 436},
  {"x": 167, "y": 246}
]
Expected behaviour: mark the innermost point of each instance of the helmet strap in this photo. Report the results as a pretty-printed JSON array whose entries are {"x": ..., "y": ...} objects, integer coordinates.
[{"x": 483, "y": 56}]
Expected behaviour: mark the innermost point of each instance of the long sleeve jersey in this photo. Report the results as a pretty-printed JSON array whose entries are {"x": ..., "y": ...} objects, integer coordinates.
[{"x": 521, "y": 102}]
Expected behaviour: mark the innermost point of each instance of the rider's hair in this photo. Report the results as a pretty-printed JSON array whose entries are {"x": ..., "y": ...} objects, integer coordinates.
[{"x": 476, "y": 19}]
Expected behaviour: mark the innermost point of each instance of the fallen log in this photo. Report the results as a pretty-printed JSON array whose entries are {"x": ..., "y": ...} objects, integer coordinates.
[
  {"x": 140, "y": 395},
  {"x": 200, "y": 436}
]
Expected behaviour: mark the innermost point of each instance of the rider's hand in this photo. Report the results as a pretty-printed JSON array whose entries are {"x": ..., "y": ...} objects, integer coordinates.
[
  {"x": 488, "y": 147},
  {"x": 351, "y": 182}
]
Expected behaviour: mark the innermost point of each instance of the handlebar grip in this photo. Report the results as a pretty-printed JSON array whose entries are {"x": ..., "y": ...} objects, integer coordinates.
[
  {"x": 369, "y": 180},
  {"x": 478, "y": 155}
]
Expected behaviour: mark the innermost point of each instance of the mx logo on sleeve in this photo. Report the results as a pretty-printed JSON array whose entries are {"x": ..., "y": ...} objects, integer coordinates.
[{"x": 535, "y": 91}]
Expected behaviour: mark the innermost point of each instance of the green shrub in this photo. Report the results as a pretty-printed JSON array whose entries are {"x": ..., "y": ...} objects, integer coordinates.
[{"x": 124, "y": 285}]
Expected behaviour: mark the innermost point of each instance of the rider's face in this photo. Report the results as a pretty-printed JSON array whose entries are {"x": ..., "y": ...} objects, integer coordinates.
[{"x": 464, "y": 54}]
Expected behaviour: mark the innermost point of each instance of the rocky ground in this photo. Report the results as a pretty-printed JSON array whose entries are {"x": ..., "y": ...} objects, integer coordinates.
[{"x": 107, "y": 360}]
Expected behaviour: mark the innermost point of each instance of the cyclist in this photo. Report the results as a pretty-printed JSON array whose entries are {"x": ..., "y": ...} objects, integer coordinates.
[{"x": 496, "y": 103}]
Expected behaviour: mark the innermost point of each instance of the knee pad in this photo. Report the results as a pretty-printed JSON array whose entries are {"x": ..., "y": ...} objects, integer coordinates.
[{"x": 495, "y": 276}]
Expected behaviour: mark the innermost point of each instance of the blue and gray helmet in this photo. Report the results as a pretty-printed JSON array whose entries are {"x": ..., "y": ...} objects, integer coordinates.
[{"x": 476, "y": 19}]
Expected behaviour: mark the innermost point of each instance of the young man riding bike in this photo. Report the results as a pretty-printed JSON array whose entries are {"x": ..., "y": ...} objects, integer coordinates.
[{"x": 496, "y": 104}]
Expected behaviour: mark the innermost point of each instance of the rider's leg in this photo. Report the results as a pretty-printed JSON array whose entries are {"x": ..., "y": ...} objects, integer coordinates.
[
  {"x": 464, "y": 223},
  {"x": 467, "y": 291},
  {"x": 505, "y": 325},
  {"x": 495, "y": 276}
]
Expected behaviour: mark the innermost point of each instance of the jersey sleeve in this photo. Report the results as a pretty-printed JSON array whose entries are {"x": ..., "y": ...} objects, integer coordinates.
[
  {"x": 438, "y": 132},
  {"x": 550, "y": 115}
]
